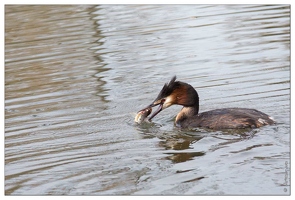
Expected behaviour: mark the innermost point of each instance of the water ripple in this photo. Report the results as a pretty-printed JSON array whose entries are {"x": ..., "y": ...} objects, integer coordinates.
[{"x": 76, "y": 75}]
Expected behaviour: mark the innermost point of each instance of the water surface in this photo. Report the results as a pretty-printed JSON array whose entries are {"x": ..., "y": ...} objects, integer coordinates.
[{"x": 76, "y": 75}]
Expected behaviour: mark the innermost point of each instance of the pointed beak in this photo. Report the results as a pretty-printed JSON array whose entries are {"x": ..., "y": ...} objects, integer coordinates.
[{"x": 157, "y": 111}]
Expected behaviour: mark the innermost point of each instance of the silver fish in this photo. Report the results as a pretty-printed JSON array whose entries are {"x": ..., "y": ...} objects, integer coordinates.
[{"x": 142, "y": 115}]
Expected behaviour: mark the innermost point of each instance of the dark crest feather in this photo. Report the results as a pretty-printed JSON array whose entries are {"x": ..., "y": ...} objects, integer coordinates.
[{"x": 167, "y": 88}]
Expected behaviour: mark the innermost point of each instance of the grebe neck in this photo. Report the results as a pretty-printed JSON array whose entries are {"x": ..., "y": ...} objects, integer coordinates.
[{"x": 187, "y": 112}]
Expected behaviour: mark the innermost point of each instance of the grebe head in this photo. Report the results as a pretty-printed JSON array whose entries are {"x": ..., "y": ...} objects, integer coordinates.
[{"x": 175, "y": 92}]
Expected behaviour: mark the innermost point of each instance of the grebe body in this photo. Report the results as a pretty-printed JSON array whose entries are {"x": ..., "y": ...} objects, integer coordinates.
[{"x": 227, "y": 118}]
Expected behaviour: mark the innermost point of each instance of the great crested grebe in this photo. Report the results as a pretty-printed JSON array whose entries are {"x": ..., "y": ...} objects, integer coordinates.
[{"x": 180, "y": 93}]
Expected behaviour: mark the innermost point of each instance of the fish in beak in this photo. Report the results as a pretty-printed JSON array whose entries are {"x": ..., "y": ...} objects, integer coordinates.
[{"x": 164, "y": 98}]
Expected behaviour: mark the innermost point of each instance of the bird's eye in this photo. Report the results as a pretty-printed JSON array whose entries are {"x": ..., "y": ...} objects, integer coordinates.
[{"x": 163, "y": 100}]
